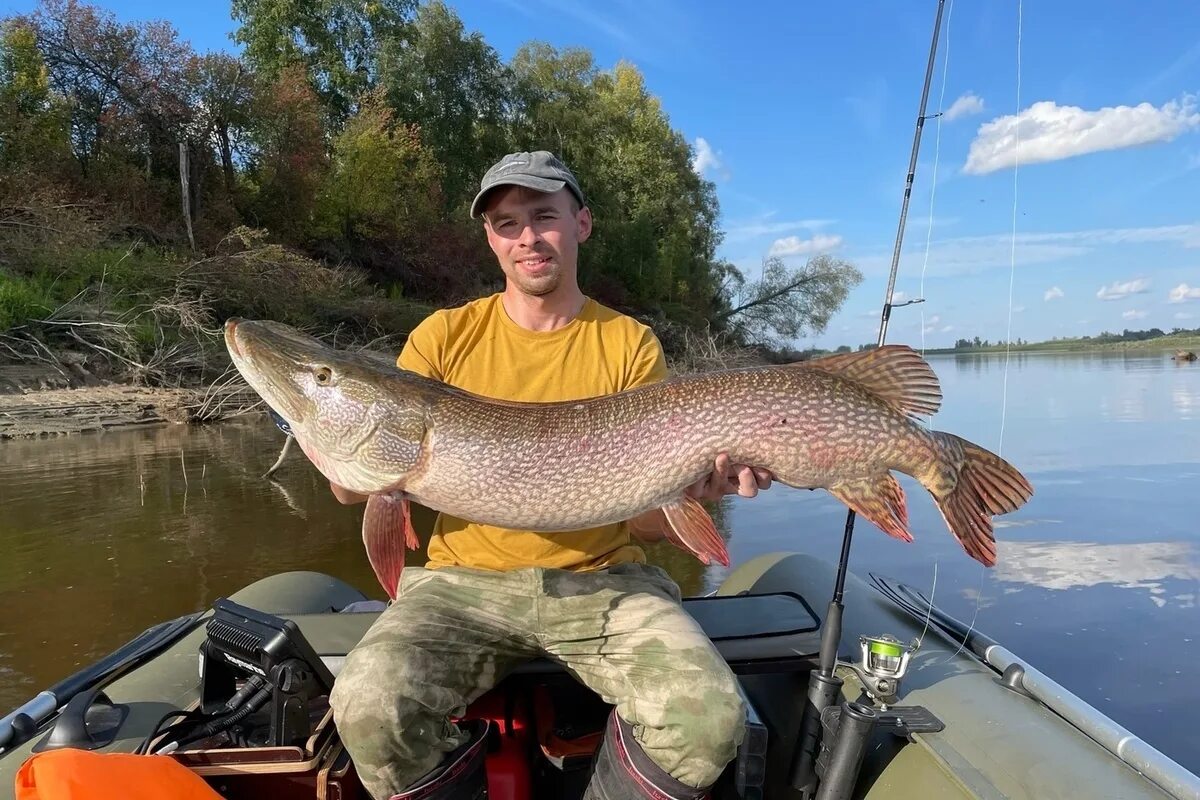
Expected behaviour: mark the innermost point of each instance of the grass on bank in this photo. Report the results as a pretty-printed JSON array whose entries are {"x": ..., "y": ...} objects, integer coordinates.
[{"x": 150, "y": 315}]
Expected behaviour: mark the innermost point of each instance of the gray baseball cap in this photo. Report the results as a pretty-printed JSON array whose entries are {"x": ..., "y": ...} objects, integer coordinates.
[{"x": 539, "y": 170}]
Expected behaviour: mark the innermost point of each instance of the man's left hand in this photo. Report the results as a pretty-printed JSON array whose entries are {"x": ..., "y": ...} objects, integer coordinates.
[{"x": 729, "y": 478}]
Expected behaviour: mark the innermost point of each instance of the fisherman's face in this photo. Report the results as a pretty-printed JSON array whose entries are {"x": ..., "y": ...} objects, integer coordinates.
[{"x": 536, "y": 237}]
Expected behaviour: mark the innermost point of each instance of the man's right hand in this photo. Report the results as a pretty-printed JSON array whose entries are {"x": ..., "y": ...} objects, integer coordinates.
[{"x": 345, "y": 496}]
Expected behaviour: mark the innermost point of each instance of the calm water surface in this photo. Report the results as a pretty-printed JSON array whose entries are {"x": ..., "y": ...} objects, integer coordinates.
[{"x": 103, "y": 535}]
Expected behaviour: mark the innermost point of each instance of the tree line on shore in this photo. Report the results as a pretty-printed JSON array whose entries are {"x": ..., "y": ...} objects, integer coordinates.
[{"x": 322, "y": 177}]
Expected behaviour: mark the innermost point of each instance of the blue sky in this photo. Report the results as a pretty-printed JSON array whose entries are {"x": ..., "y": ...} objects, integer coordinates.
[{"x": 803, "y": 113}]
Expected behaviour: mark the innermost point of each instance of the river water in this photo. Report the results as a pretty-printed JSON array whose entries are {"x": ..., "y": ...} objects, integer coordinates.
[{"x": 102, "y": 535}]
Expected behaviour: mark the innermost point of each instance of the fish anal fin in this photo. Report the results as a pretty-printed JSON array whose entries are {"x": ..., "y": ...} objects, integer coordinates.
[
  {"x": 895, "y": 373},
  {"x": 386, "y": 530},
  {"x": 879, "y": 499},
  {"x": 691, "y": 528}
]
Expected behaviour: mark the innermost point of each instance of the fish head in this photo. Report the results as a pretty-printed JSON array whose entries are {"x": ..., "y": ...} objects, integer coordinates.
[{"x": 361, "y": 421}]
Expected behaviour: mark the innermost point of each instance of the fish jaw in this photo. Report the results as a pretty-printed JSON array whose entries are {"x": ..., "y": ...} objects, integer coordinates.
[{"x": 356, "y": 419}]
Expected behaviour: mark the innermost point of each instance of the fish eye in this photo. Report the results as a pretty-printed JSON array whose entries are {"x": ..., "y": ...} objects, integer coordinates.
[{"x": 323, "y": 376}]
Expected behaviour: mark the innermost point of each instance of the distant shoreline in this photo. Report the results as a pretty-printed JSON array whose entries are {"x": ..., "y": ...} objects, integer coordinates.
[{"x": 1168, "y": 343}]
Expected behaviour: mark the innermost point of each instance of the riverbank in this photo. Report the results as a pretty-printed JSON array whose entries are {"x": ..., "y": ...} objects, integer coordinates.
[
  {"x": 37, "y": 400},
  {"x": 1166, "y": 343}
]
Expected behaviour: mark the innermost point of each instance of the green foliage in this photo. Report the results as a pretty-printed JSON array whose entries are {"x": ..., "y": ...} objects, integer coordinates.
[
  {"x": 336, "y": 42},
  {"x": 33, "y": 123},
  {"x": 288, "y": 160},
  {"x": 785, "y": 303},
  {"x": 382, "y": 185},
  {"x": 342, "y": 148},
  {"x": 452, "y": 84},
  {"x": 22, "y": 300}
]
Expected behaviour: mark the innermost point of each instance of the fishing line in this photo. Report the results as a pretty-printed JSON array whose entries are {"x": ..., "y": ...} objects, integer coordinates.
[
  {"x": 937, "y": 146},
  {"x": 1012, "y": 253},
  {"x": 929, "y": 608},
  {"x": 1012, "y": 269}
]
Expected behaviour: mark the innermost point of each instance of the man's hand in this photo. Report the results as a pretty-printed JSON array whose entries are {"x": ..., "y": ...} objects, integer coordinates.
[
  {"x": 728, "y": 478},
  {"x": 345, "y": 496}
]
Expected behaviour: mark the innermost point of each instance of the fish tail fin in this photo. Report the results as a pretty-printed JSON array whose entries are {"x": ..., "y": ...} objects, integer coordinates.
[
  {"x": 970, "y": 486},
  {"x": 691, "y": 528},
  {"x": 386, "y": 530},
  {"x": 880, "y": 500}
]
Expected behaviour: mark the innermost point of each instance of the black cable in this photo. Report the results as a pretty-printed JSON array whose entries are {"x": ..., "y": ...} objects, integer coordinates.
[
  {"x": 144, "y": 747},
  {"x": 253, "y": 684},
  {"x": 229, "y": 720}
]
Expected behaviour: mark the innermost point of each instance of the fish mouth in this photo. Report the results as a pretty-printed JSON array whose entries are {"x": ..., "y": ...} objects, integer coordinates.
[
  {"x": 263, "y": 368},
  {"x": 231, "y": 335}
]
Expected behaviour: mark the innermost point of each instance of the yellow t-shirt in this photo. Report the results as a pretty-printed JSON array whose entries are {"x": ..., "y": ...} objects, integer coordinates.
[{"x": 477, "y": 347}]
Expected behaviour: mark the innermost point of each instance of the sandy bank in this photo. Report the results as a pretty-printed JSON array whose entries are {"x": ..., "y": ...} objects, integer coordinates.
[{"x": 47, "y": 402}]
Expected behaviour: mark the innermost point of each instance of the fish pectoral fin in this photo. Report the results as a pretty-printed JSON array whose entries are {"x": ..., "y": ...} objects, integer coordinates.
[
  {"x": 691, "y": 528},
  {"x": 386, "y": 530},
  {"x": 879, "y": 499}
]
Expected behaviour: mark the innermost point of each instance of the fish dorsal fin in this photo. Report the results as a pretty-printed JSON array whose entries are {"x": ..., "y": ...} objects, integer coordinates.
[{"x": 895, "y": 373}]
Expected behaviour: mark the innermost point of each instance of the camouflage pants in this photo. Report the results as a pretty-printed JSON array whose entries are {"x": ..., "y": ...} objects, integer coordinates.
[{"x": 453, "y": 633}]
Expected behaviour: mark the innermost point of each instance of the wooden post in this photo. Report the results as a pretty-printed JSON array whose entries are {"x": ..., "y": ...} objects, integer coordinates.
[{"x": 183, "y": 186}]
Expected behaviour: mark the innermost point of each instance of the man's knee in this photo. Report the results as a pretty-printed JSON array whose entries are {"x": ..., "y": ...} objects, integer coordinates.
[
  {"x": 374, "y": 691},
  {"x": 717, "y": 732},
  {"x": 703, "y": 722}
]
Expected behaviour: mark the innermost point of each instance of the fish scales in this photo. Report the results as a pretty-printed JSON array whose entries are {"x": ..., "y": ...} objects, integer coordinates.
[{"x": 842, "y": 423}]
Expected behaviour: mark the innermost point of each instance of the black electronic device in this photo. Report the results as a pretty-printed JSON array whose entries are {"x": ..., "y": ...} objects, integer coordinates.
[{"x": 244, "y": 644}]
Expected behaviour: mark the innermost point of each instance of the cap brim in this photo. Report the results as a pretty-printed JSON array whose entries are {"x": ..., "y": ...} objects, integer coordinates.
[{"x": 547, "y": 185}]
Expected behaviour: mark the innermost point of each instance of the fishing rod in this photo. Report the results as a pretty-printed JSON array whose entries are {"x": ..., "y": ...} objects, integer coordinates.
[{"x": 824, "y": 687}]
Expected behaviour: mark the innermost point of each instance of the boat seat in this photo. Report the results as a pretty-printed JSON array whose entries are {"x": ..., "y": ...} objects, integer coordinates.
[{"x": 755, "y": 633}]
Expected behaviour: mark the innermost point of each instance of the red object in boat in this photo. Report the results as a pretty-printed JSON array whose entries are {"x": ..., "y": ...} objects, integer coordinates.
[{"x": 509, "y": 773}]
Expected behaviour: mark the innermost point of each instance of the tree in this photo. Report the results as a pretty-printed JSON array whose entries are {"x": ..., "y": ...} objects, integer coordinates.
[
  {"x": 225, "y": 91},
  {"x": 383, "y": 186},
  {"x": 454, "y": 86},
  {"x": 33, "y": 123},
  {"x": 337, "y": 42},
  {"x": 789, "y": 302},
  {"x": 287, "y": 154}
]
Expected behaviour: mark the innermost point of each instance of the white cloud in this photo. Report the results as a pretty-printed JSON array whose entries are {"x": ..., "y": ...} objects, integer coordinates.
[
  {"x": 706, "y": 158},
  {"x": 1047, "y": 131},
  {"x": 947, "y": 329},
  {"x": 931, "y": 323},
  {"x": 1018, "y": 309},
  {"x": 1183, "y": 315},
  {"x": 1053, "y": 293},
  {"x": 969, "y": 103},
  {"x": 1133, "y": 314},
  {"x": 969, "y": 254},
  {"x": 749, "y": 230},
  {"x": 898, "y": 297},
  {"x": 1119, "y": 290},
  {"x": 1182, "y": 293},
  {"x": 927, "y": 221},
  {"x": 795, "y": 246}
]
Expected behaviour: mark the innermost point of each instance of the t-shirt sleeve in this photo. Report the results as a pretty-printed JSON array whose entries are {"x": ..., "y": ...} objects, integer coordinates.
[
  {"x": 422, "y": 352},
  {"x": 649, "y": 365}
]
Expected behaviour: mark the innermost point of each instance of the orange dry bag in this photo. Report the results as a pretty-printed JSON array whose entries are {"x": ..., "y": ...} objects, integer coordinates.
[{"x": 71, "y": 774}]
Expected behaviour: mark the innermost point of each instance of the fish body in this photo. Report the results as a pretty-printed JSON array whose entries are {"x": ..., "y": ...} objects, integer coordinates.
[{"x": 842, "y": 423}]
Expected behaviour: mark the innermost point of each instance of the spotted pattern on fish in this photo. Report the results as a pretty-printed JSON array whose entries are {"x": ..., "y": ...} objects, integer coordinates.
[{"x": 841, "y": 423}]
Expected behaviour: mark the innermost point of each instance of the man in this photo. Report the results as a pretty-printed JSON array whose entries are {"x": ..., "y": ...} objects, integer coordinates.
[{"x": 490, "y": 598}]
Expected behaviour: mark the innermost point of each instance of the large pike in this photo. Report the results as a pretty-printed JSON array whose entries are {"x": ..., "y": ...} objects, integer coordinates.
[{"x": 840, "y": 423}]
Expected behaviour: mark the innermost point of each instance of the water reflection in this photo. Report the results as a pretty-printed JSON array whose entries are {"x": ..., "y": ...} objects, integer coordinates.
[{"x": 1071, "y": 565}]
